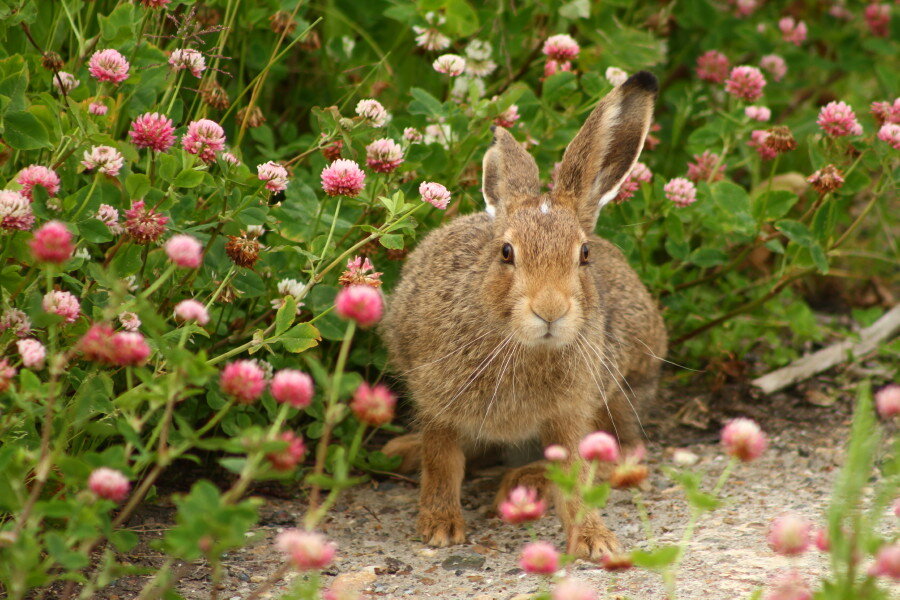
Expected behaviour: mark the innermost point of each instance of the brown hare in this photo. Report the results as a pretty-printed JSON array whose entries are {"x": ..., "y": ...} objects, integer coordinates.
[{"x": 519, "y": 323}]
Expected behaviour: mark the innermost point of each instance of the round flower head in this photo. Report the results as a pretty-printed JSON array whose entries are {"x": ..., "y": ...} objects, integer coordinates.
[
  {"x": 878, "y": 18},
  {"x": 15, "y": 211},
  {"x": 98, "y": 108},
  {"x": 293, "y": 387},
  {"x": 887, "y": 401},
  {"x": 640, "y": 173},
  {"x": 96, "y": 344},
  {"x": 450, "y": 64},
  {"x": 789, "y": 535},
  {"x": 712, "y": 66},
  {"x": 758, "y": 138},
  {"x": 37, "y": 175},
  {"x": 599, "y": 446},
  {"x": 360, "y": 271},
  {"x": 129, "y": 349},
  {"x": 108, "y": 65},
  {"x": 191, "y": 310},
  {"x": 704, "y": 167},
  {"x": 827, "y": 179},
  {"x": 306, "y": 550},
  {"x": 231, "y": 159},
  {"x": 412, "y": 135},
  {"x": 64, "y": 82},
  {"x": 781, "y": 139},
  {"x": 373, "y": 405},
  {"x": 243, "y": 380},
  {"x": 792, "y": 31},
  {"x": 185, "y": 251},
  {"x": 243, "y": 250},
  {"x": 143, "y": 224},
  {"x": 561, "y": 47},
  {"x": 434, "y": 194},
  {"x": 109, "y": 483},
  {"x": 275, "y": 176},
  {"x": 758, "y": 113},
  {"x": 343, "y": 177},
  {"x": 890, "y": 134},
  {"x": 52, "y": 243},
  {"x": 746, "y": 83},
  {"x": 360, "y": 303},
  {"x": 886, "y": 112},
  {"x": 774, "y": 65},
  {"x": 745, "y": 8},
  {"x": 109, "y": 216},
  {"x": 573, "y": 589},
  {"x": 103, "y": 159},
  {"x": 153, "y": 131},
  {"x": 372, "y": 111},
  {"x": 615, "y": 76},
  {"x": 743, "y": 439},
  {"x": 63, "y": 304},
  {"x": 384, "y": 155},
  {"x": 16, "y": 321},
  {"x": 838, "y": 119},
  {"x": 190, "y": 59},
  {"x": 288, "y": 458},
  {"x": 430, "y": 38},
  {"x": 788, "y": 586},
  {"x": 130, "y": 321},
  {"x": 204, "y": 138},
  {"x": 681, "y": 191},
  {"x": 32, "y": 352},
  {"x": 7, "y": 372},
  {"x": 556, "y": 453},
  {"x": 539, "y": 558},
  {"x": 887, "y": 562},
  {"x": 521, "y": 506}
]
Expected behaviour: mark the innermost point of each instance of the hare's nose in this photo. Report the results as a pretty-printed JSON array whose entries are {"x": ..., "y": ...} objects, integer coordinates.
[{"x": 550, "y": 315}]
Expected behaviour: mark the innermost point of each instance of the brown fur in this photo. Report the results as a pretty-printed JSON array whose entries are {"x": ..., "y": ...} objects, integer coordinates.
[{"x": 545, "y": 347}]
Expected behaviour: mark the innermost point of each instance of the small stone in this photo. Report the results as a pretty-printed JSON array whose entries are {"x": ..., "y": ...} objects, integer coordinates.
[
  {"x": 459, "y": 562},
  {"x": 356, "y": 581}
]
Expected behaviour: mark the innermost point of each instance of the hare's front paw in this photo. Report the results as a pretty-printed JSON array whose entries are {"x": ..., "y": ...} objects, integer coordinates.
[
  {"x": 592, "y": 540},
  {"x": 441, "y": 528}
]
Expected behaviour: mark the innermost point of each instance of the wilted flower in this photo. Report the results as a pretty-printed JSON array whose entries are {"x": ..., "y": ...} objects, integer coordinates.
[
  {"x": 343, "y": 177},
  {"x": 32, "y": 353},
  {"x": 508, "y": 117},
  {"x": 706, "y": 167},
  {"x": 712, "y": 66},
  {"x": 191, "y": 310},
  {"x": 293, "y": 387},
  {"x": 288, "y": 458},
  {"x": 144, "y": 224},
  {"x": 108, "y": 65},
  {"x": 521, "y": 506},
  {"x": 213, "y": 94},
  {"x": 629, "y": 472},
  {"x": 788, "y": 586},
  {"x": 243, "y": 380},
  {"x": 306, "y": 550},
  {"x": 103, "y": 159},
  {"x": 185, "y": 251},
  {"x": 616, "y": 562},
  {"x": 539, "y": 558},
  {"x": 372, "y": 111},
  {"x": 757, "y": 141},
  {"x": 360, "y": 271},
  {"x": 789, "y": 535},
  {"x": 98, "y": 108},
  {"x": 129, "y": 349},
  {"x": 746, "y": 83},
  {"x": 780, "y": 139},
  {"x": 15, "y": 211},
  {"x": 155, "y": 3},
  {"x": 16, "y": 321},
  {"x": 254, "y": 116},
  {"x": 561, "y": 47},
  {"x": 878, "y": 18},
  {"x": 450, "y": 64},
  {"x": 573, "y": 589},
  {"x": 887, "y": 562},
  {"x": 599, "y": 446},
  {"x": 360, "y": 303},
  {"x": 64, "y": 82},
  {"x": 130, "y": 321},
  {"x": 838, "y": 119},
  {"x": 827, "y": 179},
  {"x": 758, "y": 113},
  {"x": 154, "y": 131},
  {"x": 792, "y": 31},
  {"x": 109, "y": 216},
  {"x": 275, "y": 176},
  {"x": 373, "y": 405},
  {"x": 52, "y": 61},
  {"x": 190, "y": 59},
  {"x": 616, "y": 76},
  {"x": 680, "y": 191},
  {"x": 204, "y": 138},
  {"x": 774, "y": 65},
  {"x": 243, "y": 251},
  {"x": 109, "y": 483},
  {"x": 887, "y": 401},
  {"x": 743, "y": 439},
  {"x": 52, "y": 243},
  {"x": 435, "y": 194},
  {"x": 890, "y": 134},
  {"x": 37, "y": 175},
  {"x": 62, "y": 303},
  {"x": 639, "y": 173},
  {"x": 384, "y": 155}
]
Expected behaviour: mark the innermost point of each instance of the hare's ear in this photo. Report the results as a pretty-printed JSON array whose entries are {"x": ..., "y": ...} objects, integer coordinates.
[
  {"x": 510, "y": 174},
  {"x": 600, "y": 157}
]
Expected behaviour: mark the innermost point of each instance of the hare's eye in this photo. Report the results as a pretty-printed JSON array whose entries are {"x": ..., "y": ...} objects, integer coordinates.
[
  {"x": 585, "y": 252},
  {"x": 507, "y": 253}
]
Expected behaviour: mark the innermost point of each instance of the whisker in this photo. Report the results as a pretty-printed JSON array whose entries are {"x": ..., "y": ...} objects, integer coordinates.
[
  {"x": 588, "y": 365},
  {"x": 513, "y": 350},
  {"x": 597, "y": 353},
  {"x": 456, "y": 351}
]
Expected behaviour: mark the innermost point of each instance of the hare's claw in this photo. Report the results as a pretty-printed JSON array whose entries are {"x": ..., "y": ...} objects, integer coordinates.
[
  {"x": 442, "y": 528},
  {"x": 592, "y": 541}
]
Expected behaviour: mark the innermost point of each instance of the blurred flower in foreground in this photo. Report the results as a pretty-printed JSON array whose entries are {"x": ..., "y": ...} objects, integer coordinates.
[
  {"x": 788, "y": 586},
  {"x": 521, "y": 506},
  {"x": 373, "y": 405},
  {"x": 360, "y": 303},
  {"x": 32, "y": 353},
  {"x": 792, "y": 31},
  {"x": 288, "y": 458},
  {"x": 890, "y": 134},
  {"x": 743, "y": 439},
  {"x": 758, "y": 113},
  {"x": 887, "y": 562},
  {"x": 878, "y": 18},
  {"x": 243, "y": 380},
  {"x": 774, "y": 65},
  {"x": 887, "y": 401},
  {"x": 573, "y": 589},
  {"x": 599, "y": 446},
  {"x": 191, "y": 310},
  {"x": 109, "y": 483},
  {"x": 290, "y": 386},
  {"x": 789, "y": 535},
  {"x": 539, "y": 558},
  {"x": 52, "y": 243},
  {"x": 306, "y": 550}
]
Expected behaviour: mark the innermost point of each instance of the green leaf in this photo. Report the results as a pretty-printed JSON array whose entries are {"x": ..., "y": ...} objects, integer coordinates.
[
  {"x": 425, "y": 104},
  {"x": 392, "y": 241},
  {"x": 558, "y": 86},
  {"x": 733, "y": 205},
  {"x": 137, "y": 185},
  {"x": 597, "y": 495},
  {"x": 24, "y": 131},
  {"x": 576, "y": 9},
  {"x": 462, "y": 20},
  {"x": 95, "y": 231},
  {"x": 285, "y": 315},
  {"x": 302, "y": 336},
  {"x": 656, "y": 559},
  {"x": 796, "y": 231},
  {"x": 774, "y": 204},
  {"x": 189, "y": 178},
  {"x": 708, "y": 257}
]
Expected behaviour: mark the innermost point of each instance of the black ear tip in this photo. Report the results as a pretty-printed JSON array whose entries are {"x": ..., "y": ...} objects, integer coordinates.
[
  {"x": 644, "y": 80},
  {"x": 493, "y": 129}
]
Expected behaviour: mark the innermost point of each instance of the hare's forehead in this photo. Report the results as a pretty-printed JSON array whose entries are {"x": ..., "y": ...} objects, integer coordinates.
[{"x": 544, "y": 228}]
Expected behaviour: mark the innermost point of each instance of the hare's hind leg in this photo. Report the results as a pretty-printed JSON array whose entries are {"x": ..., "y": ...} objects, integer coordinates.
[
  {"x": 409, "y": 448},
  {"x": 533, "y": 476}
]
